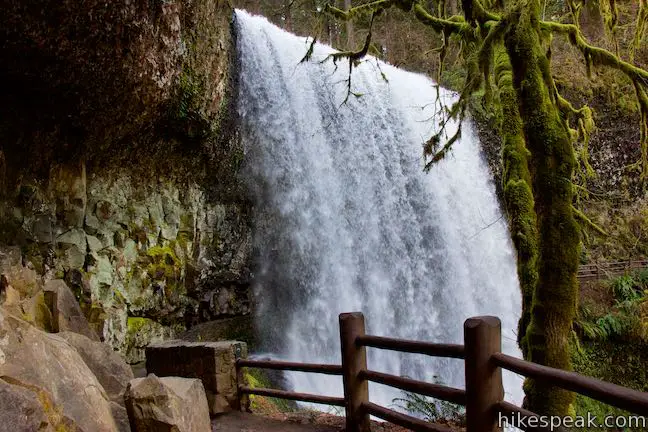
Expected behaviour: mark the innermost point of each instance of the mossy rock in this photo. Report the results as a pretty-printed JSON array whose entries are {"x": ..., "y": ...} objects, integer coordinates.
[
  {"x": 258, "y": 378},
  {"x": 36, "y": 312}
]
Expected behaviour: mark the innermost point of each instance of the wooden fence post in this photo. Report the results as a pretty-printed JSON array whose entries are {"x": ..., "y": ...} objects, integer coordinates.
[
  {"x": 482, "y": 338},
  {"x": 354, "y": 360}
]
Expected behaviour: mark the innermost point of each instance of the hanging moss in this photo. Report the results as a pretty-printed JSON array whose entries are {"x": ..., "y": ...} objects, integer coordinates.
[{"x": 610, "y": 14}]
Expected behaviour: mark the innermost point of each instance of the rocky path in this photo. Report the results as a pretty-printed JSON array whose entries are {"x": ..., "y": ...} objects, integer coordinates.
[
  {"x": 245, "y": 422},
  {"x": 305, "y": 421}
]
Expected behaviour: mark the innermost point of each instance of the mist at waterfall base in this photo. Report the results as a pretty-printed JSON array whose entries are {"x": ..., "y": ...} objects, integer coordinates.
[{"x": 346, "y": 219}]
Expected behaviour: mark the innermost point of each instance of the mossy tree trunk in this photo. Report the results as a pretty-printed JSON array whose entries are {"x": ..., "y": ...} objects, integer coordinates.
[
  {"x": 551, "y": 163},
  {"x": 518, "y": 194}
]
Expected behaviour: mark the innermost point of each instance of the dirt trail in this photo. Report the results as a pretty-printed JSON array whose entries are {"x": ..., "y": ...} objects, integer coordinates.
[{"x": 245, "y": 422}]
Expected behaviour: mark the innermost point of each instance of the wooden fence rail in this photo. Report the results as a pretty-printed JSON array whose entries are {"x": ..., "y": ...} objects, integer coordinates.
[
  {"x": 483, "y": 364},
  {"x": 608, "y": 269}
]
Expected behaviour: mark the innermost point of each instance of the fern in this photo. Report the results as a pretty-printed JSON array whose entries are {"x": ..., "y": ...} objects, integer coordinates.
[
  {"x": 624, "y": 288},
  {"x": 612, "y": 325},
  {"x": 627, "y": 319},
  {"x": 592, "y": 330},
  {"x": 430, "y": 409}
]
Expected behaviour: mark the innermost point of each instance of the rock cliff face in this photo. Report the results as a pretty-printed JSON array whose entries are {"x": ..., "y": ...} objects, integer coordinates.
[{"x": 119, "y": 158}]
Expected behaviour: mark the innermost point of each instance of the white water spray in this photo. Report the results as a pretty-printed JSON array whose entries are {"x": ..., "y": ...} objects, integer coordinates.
[{"x": 346, "y": 219}]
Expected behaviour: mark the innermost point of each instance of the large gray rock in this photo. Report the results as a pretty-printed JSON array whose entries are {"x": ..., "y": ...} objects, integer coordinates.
[
  {"x": 27, "y": 408},
  {"x": 214, "y": 363},
  {"x": 110, "y": 369},
  {"x": 70, "y": 316},
  {"x": 20, "y": 408},
  {"x": 167, "y": 404},
  {"x": 55, "y": 374},
  {"x": 23, "y": 278}
]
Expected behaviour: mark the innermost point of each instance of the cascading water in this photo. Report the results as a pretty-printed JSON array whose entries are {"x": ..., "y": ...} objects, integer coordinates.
[{"x": 346, "y": 219}]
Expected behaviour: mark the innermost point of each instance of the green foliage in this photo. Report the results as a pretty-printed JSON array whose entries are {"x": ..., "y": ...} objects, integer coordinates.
[
  {"x": 626, "y": 319},
  {"x": 641, "y": 277},
  {"x": 591, "y": 330},
  {"x": 429, "y": 409},
  {"x": 621, "y": 363},
  {"x": 625, "y": 288},
  {"x": 612, "y": 325}
]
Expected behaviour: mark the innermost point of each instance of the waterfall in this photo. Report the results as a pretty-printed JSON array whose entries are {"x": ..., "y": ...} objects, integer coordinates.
[{"x": 346, "y": 219}]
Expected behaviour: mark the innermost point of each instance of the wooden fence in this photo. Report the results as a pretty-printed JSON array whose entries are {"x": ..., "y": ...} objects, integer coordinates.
[
  {"x": 483, "y": 396},
  {"x": 606, "y": 270}
]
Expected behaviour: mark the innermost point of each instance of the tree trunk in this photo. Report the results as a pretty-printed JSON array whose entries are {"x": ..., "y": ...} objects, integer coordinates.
[
  {"x": 551, "y": 164},
  {"x": 452, "y": 8},
  {"x": 350, "y": 42},
  {"x": 518, "y": 195}
]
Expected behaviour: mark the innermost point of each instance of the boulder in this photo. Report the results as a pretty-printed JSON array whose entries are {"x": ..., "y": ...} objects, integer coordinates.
[
  {"x": 70, "y": 316},
  {"x": 55, "y": 375},
  {"x": 36, "y": 312},
  {"x": 121, "y": 416},
  {"x": 20, "y": 408},
  {"x": 214, "y": 363},
  {"x": 23, "y": 279},
  {"x": 27, "y": 408},
  {"x": 110, "y": 369},
  {"x": 167, "y": 404}
]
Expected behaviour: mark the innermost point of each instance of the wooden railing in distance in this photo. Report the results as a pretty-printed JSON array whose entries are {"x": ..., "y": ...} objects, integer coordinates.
[
  {"x": 608, "y": 269},
  {"x": 483, "y": 364}
]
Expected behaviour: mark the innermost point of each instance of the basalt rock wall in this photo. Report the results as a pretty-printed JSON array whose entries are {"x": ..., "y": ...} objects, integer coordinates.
[{"x": 118, "y": 161}]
